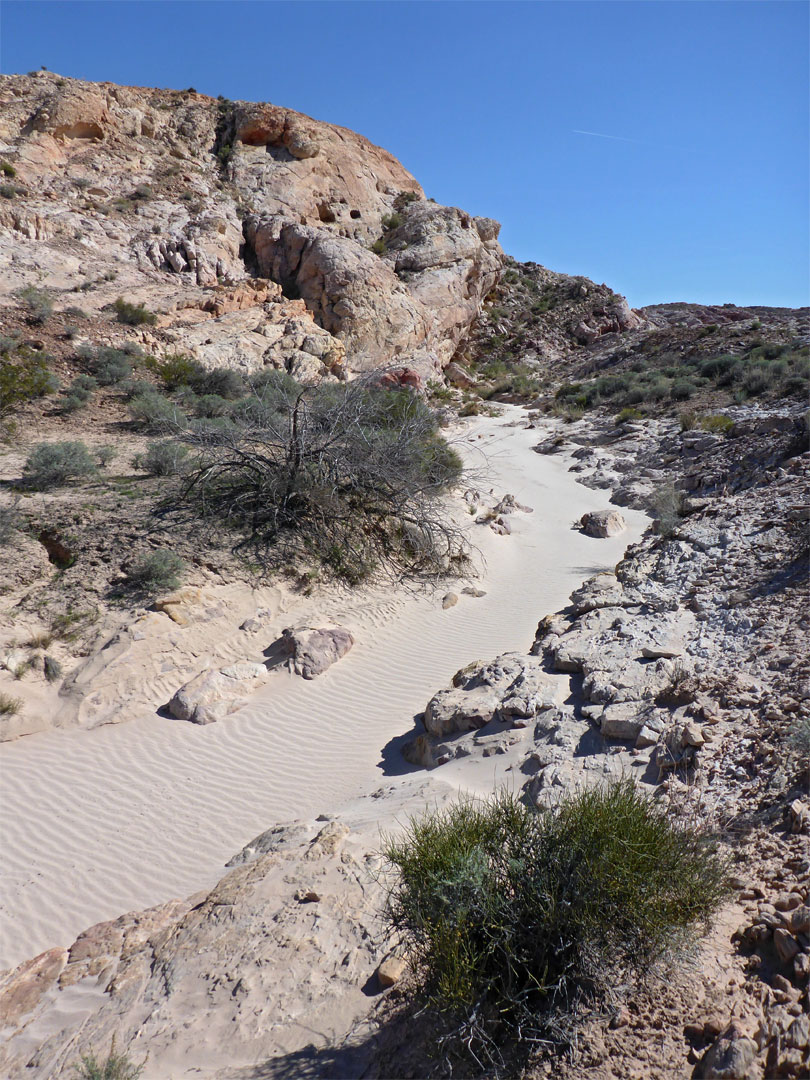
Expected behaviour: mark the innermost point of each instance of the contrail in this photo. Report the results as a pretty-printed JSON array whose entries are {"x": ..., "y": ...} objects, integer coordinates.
[
  {"x": 599, "y": 135},
  {"x": 637, "y": 142}
]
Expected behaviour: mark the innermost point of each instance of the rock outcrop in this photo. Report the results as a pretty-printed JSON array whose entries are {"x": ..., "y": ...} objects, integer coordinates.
[
  {"x": 311, "y": 650},
  {"x": 184, "y": 203}
]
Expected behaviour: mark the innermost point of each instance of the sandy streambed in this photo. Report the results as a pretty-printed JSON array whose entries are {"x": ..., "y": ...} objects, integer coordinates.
[{"x": 98, "y": 822}]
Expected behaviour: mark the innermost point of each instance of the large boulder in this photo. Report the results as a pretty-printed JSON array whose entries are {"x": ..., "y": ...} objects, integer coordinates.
[
  {"x": 214, "y": 693},
  {"x": 602, "y": 523},
  {"x": 312, "y": 650},
  {"x": 512, "y": 686}
]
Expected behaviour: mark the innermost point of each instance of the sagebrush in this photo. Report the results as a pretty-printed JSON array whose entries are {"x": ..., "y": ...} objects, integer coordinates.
[{"x": 517, "y": 918}]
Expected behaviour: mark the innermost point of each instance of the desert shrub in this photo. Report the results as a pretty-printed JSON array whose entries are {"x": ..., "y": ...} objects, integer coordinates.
[
  {"x": 222, "y": 382},
  {"x": 7, "y": 169},
  {"x": 175, "y": 370},
  {"x": 56, "y": 463},
  {"x": 133, "y": 314},
  {"x": 114, "y": 1067},
  {"x": 39, "y": 303},
  {"x": 132, "y": 388},
  {"x": 78, "y": 393},
  {"x": 109, "y": 365},
  {"x": 160, "y": 569},
  {"x": 379, "y": 247},
  {"x": 156, "y": 413},
  {"x": 105, "y": 454},
  {"x": 627, "y": 413},
  {"x": 682, "y": 390},
  {"x": 84, "y": 384},
  {"x": 516, "y": 918},
  {"x": 24, "y": 377},
  {"x": 717, "y": 423},
  {"x": 667, "y": 504},
  {"x": 164, "y": 458},
  {"x": 71, "y": 403},
  {"x": 757, "y": 379},
  {"x": 313, "y": 471},
  {"x": 9, "y": 706},
  {"x": 798, "y": 738},
  {"x": 9, "y": 523},
  {"x": 52, "y": 669},
  {"x": 210, "y": 405},
  {"x": 391, "y": 221},
  {"x": 688, "y": 420}
]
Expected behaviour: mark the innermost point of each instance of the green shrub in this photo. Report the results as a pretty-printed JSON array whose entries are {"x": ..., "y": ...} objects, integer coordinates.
[
  {"x": 133, "y": 314},
  {"x": 7, "y": 169},
  {"x": 9, "y": 523},
  {"x": 175, "y": 370},
  {"x": 391, "y": 221},
  {"x": 109, "y": 365},
  {"x": 717, "y": 423},
  {"x": 105, "y": 454},
  {"x": 56, "y": 463},
  {"x": 71, "y": 403},
  {"x": 114, "y": 1067},
  {"x": 39, "y": 303},
  {"x": 78, "y": 393},
  {"x": 211, "y": 405},
  {"x": 628, "y": 413},
  {"x": 165, "y": 458},
  {"x": 515, "y": 917},
  {"x": 156, "y": 413},
  {"x": 9, "y": 706},
  {"x": 379, "y": 247},
  {"x": 159, "y": 570}
]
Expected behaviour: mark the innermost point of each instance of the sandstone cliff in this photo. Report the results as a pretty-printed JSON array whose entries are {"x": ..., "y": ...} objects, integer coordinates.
[{"x": 256, "y": 234}]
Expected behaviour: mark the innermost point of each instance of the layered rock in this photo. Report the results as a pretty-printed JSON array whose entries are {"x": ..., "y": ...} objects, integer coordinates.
[{"x": 173, "y": 198}]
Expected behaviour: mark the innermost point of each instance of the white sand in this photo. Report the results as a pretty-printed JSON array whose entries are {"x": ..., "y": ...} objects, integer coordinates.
[{"x": 95, "y": 823}]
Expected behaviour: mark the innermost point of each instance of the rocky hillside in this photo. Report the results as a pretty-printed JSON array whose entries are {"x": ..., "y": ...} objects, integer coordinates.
[
  {"x": 254, "y": 234},
  {"x": 570, "y": 345}
]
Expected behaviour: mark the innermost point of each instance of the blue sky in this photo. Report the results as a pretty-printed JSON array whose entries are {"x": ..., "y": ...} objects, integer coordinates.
[{"x": 700, "y": 193}]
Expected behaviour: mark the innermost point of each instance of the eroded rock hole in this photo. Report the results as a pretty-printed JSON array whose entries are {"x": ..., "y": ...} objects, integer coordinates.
[{"x": 58, "y": 552}]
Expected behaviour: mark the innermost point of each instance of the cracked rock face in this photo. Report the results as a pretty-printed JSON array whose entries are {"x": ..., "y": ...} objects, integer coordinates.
[{"x": 183, "y": 203}]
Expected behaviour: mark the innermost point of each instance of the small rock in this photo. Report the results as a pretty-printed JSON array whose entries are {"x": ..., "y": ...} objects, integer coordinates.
[
  {"x": 787, "y": 901},
  {"x": 391, "y": 971},
  {"x": 307, "y": 896},
  {"x": 468, "y": 591},
  {"x": 449, "y": 600},
  {"x": 732, "y": 1056},
  {"x": 692, "y": 735},
  {"x": 620, "y": 1020},
  {"x": 785, "y": 944},
  {"x": 801, "y": 967},
  {"x": 798, "y": 1034},
  {"x": 800, "y": 919}
]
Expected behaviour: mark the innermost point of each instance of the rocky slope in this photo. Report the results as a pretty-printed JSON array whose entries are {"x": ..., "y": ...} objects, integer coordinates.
[
  {"x": 204, "y": 210},
  {"x": 687, "y": 669}
]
